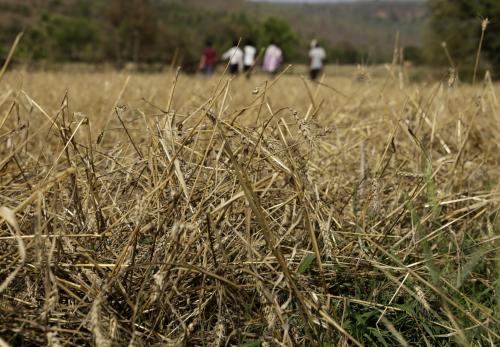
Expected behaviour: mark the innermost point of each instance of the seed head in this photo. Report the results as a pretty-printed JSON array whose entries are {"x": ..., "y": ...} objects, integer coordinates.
[{"x": 484, "y": 24}]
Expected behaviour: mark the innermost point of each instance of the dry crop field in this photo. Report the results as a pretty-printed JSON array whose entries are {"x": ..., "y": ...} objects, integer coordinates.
[{"x": 145, "y": 209}]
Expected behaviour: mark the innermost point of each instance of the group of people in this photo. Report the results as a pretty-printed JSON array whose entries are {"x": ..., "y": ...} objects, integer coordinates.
[{"x": 245, "y": 59}]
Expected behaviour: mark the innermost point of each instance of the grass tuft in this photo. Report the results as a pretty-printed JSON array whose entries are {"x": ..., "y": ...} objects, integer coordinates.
[{"x": 150, "y": 209}]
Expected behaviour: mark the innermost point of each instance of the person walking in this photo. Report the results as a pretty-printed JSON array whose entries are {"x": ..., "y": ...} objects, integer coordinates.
[
  {"x": 208, "y": 60},
  {"x": 317, "y": 54},
  {"x": 272, "y": 58},
  {"x": 249, "y": 59},
  {"x": 235, "y": 57}
]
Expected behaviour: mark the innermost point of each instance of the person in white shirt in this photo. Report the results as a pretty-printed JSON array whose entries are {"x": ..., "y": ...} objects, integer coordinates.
[
  {"x": 317, "y": 55},
  {"x": 235, "y": 57},
  {"x": 249, "y": 59},
  {"x": 272, "y": 58}
]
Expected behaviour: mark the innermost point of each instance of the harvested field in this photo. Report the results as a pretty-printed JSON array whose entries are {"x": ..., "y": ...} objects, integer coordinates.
[{"x": 147, "y": 209}]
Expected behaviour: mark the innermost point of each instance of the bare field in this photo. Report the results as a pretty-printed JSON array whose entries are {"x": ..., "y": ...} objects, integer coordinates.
[{"x": 145, "y": 209}]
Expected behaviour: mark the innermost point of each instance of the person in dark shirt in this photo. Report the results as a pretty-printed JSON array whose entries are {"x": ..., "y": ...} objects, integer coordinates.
[{"x": 208, "y": 60}]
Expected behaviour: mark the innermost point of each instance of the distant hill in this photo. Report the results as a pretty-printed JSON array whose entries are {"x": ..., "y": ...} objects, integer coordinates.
[
  {"x": 371, "y": 25},
  {"x": 100, "y": 30},
  {"x": 326, "y": 1}
]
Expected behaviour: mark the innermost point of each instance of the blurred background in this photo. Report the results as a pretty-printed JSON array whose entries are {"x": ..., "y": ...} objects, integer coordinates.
[{"x": 153, "y": 33}]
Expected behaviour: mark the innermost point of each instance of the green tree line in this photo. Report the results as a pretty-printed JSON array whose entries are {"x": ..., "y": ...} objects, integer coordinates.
[
  {"x": 144, "y": 31},
  {"x": 160, "y": 31}
]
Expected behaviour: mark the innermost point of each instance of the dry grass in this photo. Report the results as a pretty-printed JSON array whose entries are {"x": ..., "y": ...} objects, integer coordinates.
[{"x": 148, "y": 209}]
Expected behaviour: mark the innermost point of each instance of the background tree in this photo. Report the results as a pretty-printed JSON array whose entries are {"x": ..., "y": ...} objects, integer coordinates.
[
  {"x": 69, "y": 38},
  {"x": 134, "y": 27},
  {"x": 278, "y": 30},
  {"x": 458, "y": 24},
  {"x": 491, "y": 9}
]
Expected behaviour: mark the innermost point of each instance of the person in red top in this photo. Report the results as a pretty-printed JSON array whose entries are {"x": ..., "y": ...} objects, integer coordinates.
[{"x": 208, "y": 60}]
